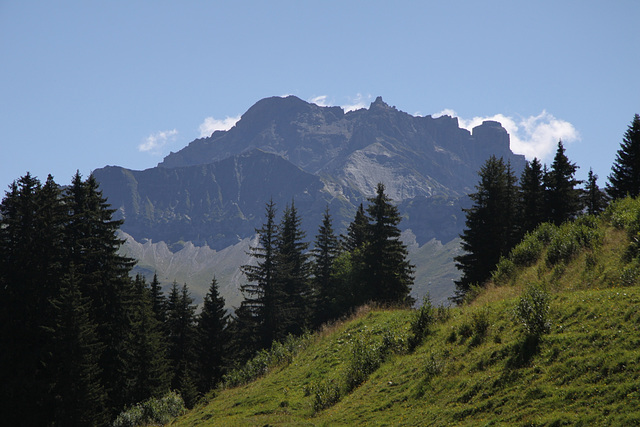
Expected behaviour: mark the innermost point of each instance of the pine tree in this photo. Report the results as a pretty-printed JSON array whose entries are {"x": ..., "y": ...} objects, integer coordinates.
[
  {"x": 292, "y": 275},
  {"x": 489, "y": 226},
  {"x": 181, "y": 329},
  {"x": 78, "y": 393},
  {"x": 158, "y": 300},
  {"x": 31, "y": 225},
  {"x": 532, "y": 196},
  {"x": 351, "y": 272},
  {"x": 212, "y": 339},
  {"x": 148, "y": 369},
  {"x": 103, "y": 276},
  {"x": 387, "y": 273},
  {"x": 259, "y": 317},
  {"x": 327, "y": 249},
  {"x": 562, "y": 197},
  {"x": 357, "y": 232},
  {"x": 625, "y": 172},
  {"x": 594, "y": 199}
]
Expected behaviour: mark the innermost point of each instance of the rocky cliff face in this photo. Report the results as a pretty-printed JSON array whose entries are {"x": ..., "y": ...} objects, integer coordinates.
[{"x": 214, "y": 204}]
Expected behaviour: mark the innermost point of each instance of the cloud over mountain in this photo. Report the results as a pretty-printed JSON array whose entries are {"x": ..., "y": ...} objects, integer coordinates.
[
  {"x": 533, "y": 136},
  {"x": 154, "y": 142},
  {"x": 211, "y": 125}
]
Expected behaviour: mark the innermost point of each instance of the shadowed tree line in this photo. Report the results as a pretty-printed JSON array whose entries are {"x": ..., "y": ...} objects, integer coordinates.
[{"x": 82, "y": 340}]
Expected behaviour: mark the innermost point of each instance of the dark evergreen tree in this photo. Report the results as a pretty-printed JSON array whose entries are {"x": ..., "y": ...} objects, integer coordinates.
[
  {"x": 513, "y": 205},
  {"x": 182, "y": 335},
  {"x": 350, "y": 275},
  {"x": 387, "y": 273},
  {"x": 327, "y": 249},
  {"x": 259, "y": 319},
  {"x": 625, "y": 172},
  {"x": 489, "y": 226},
  {"x": 244, "y": 334},
  {"x": 103, "y": 276},
  {"x": 158, "y": 300},
  {"x": 79, "y": 396},
  {"x": 347, "y": 275},
  {"x": 31, "y": 225},
  {"x": 357, "y": 232},
  {"x": 562, "y": 199},
  {"x": 292, "y": 275},
  {"x": 532, "y": 196},
  {"x": 212, "y": 339},
  {"x": 594, "y": 199},
  {"x": 148, "y": 370}
]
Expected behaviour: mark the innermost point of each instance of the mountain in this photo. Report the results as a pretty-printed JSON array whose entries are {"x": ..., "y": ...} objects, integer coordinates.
[
  {"x": 353, "y": 151},
  {"x": 213, "y": 192}
]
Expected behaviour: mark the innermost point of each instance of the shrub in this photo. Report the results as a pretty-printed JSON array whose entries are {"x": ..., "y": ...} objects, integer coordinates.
[
  {"x": 278, "y": 355},
  {"x": 572, "y": 237},
  {"x": 325, "y": 395},
  {"x": 623, "y": 212},
  {"x": 532, "y": 311},
  {"x": 629, "y": 275},
  {"x": 366, "y": 357},
  {"x": 480, "y": 322},
  {"x": 545, "y": 232},
  {"x": 421, "y": 322},
  {"x": 154, "y": 411},
  {"x": 527, "y": 252},
  {"x": 504, "y": 272}
]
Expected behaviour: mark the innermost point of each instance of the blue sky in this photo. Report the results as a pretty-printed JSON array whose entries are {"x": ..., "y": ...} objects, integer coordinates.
[{"x": 86, "y": 84}]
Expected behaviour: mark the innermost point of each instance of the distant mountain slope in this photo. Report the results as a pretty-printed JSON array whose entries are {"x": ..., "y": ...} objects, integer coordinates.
[{"x": 214, "y": 204}]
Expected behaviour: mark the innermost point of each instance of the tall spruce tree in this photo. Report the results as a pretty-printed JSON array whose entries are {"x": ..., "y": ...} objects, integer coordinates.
[
  {"x": 31, "y": 225},
  {"x": 158, "y": 300},
  {"x": 292, "y": 275},
  {"x": 532, "y": 196},
  {"x": 325, "y": 252},
  {"x": 593, "y": 198},
  {"x": 148, "y": 370},
  {"x": 259, "y": 319},
  {"x": 357, "y": 232},
  {"x": 182, "y": 335},
  {"x": 211, "y": 339},
  {"x": 562, "y": 198},
  {"x": 350, "y": 271},
  {"x": 103, "y": 276},
  {"x": 625, "y": 172},
  {"x": 387, "y": 273},
  {"x": 489, "y": 226},
  {"x": 78, "y": 393}
]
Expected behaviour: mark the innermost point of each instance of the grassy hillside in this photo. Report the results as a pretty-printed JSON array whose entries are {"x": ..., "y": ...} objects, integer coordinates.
[{"x": 476, "y": 365}]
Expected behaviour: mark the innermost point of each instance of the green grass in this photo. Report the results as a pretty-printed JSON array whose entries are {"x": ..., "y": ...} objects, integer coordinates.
[{"x": 477, "y": 365}]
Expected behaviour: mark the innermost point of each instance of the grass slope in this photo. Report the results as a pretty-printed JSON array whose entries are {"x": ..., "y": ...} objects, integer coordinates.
[{"x": 476, "y": 365}]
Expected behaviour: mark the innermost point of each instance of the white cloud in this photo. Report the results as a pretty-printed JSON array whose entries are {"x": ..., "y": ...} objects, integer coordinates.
[
  {"x": 211, "y": 125},
  {"x": 354, "y": 103},
  {"x": 320, "y": 101},
  {"x": 533, "y": 136},
  {"x": 154, "y": 142},
  {"x": 357, "y": 103}
]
